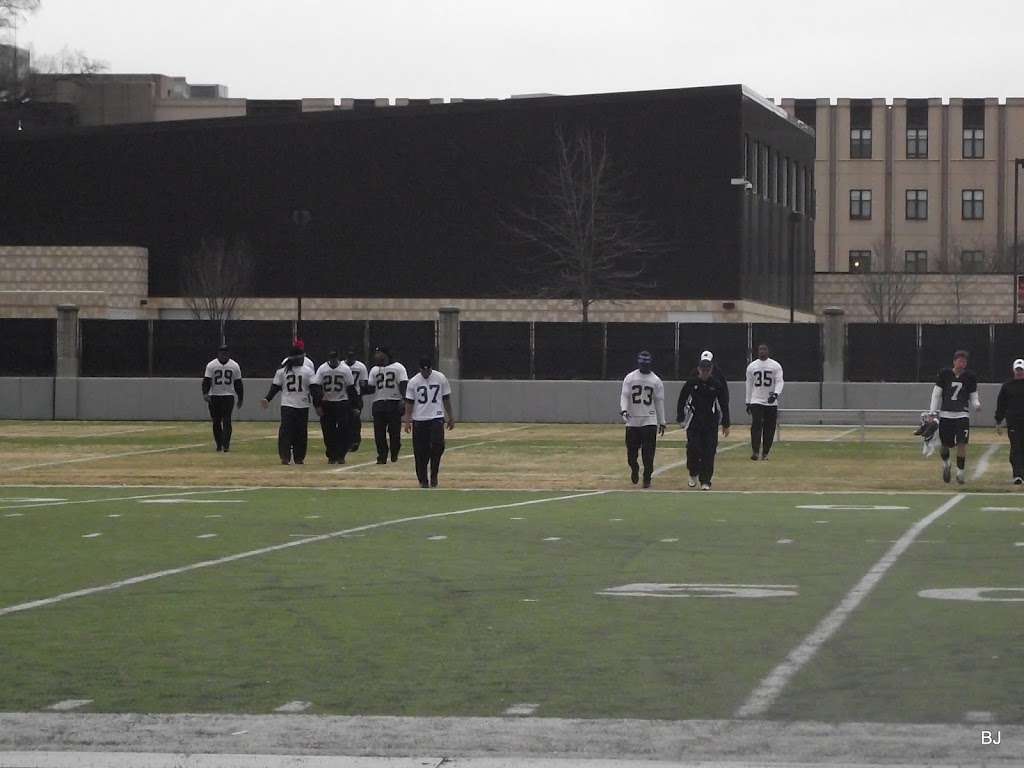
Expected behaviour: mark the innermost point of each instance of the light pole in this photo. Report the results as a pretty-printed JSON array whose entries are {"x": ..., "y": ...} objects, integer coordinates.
[
  {"x": 794, "y": 221},
  {"x": 1016, "y": 236},
  {"x": 300, "y": 218}
]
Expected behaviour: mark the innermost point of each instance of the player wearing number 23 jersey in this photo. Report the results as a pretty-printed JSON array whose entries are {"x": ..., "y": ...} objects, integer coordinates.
[{"x": 642, "y": 407}]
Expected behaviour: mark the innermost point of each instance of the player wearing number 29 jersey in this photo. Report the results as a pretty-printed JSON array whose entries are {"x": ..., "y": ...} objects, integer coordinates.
[
  {"x": 222, "y": 383},
  {"x": 954, "y": 394},
  {"x": 642, "y": 407}
]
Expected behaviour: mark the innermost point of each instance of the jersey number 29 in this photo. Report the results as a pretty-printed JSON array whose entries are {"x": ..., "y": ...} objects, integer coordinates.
[{"x": 223, "y": 376}]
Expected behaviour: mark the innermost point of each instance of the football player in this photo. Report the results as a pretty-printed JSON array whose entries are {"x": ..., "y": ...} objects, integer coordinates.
[
  {"x": 703, "y": 404},
  {"x": 294, "y": 380},
  {"x": 428, "y": 410},
  {"x": 337, "y": 388},
  {"x": 642, "y": 406},
  {"x": 764, "y": 385},
  {"x": 387, "y": 383},
  {"x": 359, "y": 372},
  {"x": 954, "y": 395},
  {"x": 222, "y": 384}
]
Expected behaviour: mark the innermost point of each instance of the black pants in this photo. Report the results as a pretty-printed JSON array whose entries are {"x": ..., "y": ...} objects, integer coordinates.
[
  {"x": 334, "y": 426},
  {"x": 762, "y": 427},
  {"x": 427, "y": 448},
  {"x": 355, "y": 426},
  {"x": 701, "y": 447},
  {"x": 643, "y": 441},
  {"x": 221, "y": 407},
  {"x": 387, "y": 426},
  {"x": 293, "y": 434},
  {"x": 1015, "y": 432}
]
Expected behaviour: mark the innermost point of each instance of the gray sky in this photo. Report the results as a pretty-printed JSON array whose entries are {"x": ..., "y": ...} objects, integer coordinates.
[{"x": 402, "y": 48}]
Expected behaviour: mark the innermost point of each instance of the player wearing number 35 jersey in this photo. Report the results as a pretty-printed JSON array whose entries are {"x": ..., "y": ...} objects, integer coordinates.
[
  {"x": 764, "y": 385},
  {"x": 337, "y": 386},
  {"x": 642, "y": 407},
  {"x": 222, "y": 383},
  {"x": 954, "y": 393},
  {"x": 294, "y": 380}
]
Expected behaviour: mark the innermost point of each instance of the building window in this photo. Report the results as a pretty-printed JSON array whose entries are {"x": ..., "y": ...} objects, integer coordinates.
[
  {"x": 780, "y": 174},
  {"x": 748, "y": 165},
  {"x": 762, "y": 175},
  {"x": 974, "y": 129},
  {"x": 860, "y": 262},
  {"x": 972, "y": 261},
  {"x": 972, "y": 204},
  {"x": 860, "y": 143},
  {"x": 860, "y": 204},
  {"x": 915, "y": 261},
  {"x": 917, "y": 143},
  {"x": 917, "y": 204}
]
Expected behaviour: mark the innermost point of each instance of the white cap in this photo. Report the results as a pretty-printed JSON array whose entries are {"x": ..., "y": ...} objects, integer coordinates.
[
  {"x": 1018, "y": 363},
  {"x": 706, "y": 355}
]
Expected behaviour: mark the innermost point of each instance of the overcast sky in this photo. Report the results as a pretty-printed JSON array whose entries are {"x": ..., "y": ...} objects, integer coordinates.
[{"x": 431, "y": 48}]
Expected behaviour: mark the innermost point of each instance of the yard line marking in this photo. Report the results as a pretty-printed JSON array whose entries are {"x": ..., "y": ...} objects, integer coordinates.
[
  {"x": 15, "y": 514},
  {"x": 836, "y": 437},
  {"x": 68, "y": 704},
  {"x": 682, "y": 463},
  {"x": 124, "y": 759},
  {"x": 206, "y": 535},
  {"x": 131, "y": 498},
  {"x": 976, "y": 716},
  {"x": 669, "y": 541},
  {"x": 522, "y": 709},
  {"x": 436, "y": 538},
  {"x": 772, "y": 686},
  {"x": 553, "y": 538},
  {"x": 294, "y": 706},
  {"x": 91, "y": 535},
  {"x": 190, "y": 501},
  {"x": 1003, "y": 509},
  {"x": 350, "y": 467},
  {"x": 982, "y": 466},
  {"x": 276, "y": 548},
  {"x": 120, "y": 431},
  {"x": 29, "y": 499}
]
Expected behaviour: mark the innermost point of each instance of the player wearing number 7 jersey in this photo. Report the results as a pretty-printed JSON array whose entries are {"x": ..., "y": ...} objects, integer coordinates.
[
  {"x": 764, "y": 385},
  {"x": 954, "y": 393},
  {"x": 337, "y": 386},
  {"x": 428, "y": 409},
  {"x": 222, "y": 383},
  {"x": 642, "y": 406},
  {"x": 294, "y": 380}
]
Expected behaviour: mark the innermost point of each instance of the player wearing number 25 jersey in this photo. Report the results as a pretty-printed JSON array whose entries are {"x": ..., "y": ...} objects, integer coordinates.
[
  {"x": 294, "y": 381},
  {"x": 428, "y": 407},
  {"x": 337, "y": 386},
  {"x": 954, "y": 393},
  {"x": 642, "y": 407},
  {"x": 764, "y": 385},
  {"x": 222, "y": 383}
]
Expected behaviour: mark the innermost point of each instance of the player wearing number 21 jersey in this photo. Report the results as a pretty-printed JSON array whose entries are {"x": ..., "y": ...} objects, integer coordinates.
[
  {"x": 222, "y": 383},
  {"x": 338, "y": 387},
  {"x": 954, "y": 393},
  {"x": 642, "y": 406},
  {"x": 294, "y": 381}
]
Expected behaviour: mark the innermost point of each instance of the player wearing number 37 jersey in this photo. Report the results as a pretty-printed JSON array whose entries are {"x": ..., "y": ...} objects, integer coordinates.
[
  {"x": 428, "y": 409},
  {"x": 642, "y": 407}
]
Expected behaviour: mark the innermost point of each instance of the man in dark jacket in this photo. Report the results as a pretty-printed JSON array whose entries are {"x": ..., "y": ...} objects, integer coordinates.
[
  {"x": 703, "y": 402},
  {"x": 1010, "y": 406}
]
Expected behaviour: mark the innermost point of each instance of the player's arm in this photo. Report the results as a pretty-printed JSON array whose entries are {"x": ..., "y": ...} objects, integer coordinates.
[
  {"x": 239, "y": 391},
  {"x": 936, "y": 401},
  {"x": 624, "y": 399},
  {"x": 449, "y": 418},
  {"x": 271, "y": 394},
  {"x": 368, "y": 388},
  {"x": 1001, "y": 406},
  {"x": 779, "y": 383},
  {"x": 684, "y": 395},
  {"x": 659, "y": 405},
  {"x": 407, "y": 415},
  {"x": 402, "y": 386},
  {"x": 750, "y": 387},
  {"x": 723, "y": 405},
  {"x": 725, "y": 386},
  {"x": 975, "y": 399},
  {"x": 207, "y": 383}
]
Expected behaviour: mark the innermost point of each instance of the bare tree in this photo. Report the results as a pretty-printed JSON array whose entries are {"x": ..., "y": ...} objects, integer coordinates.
[
  {"x": 966, "y": 257},
  {"x": 888, "y": 288},
  {"x": 13, "y": 11},
  {"x": 215, "y": 276},
  {"x": 69, "y": 61},
  {"x": 588, "y": 242}
]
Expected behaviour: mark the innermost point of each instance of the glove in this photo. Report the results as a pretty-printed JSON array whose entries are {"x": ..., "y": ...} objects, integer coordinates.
[
  {"x": 748, "y": 409},
  {"x": 661, "y": 430},
  {"x": 625, "y": 416},
  {"x": 772, "y": 398}
]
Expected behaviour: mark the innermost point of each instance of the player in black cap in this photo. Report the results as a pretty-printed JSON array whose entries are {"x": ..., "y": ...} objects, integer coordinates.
[{"x": 222, "y": 383}]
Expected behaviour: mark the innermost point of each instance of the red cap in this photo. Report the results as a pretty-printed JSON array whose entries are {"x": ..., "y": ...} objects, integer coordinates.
[{"x": 299, "y": 345}]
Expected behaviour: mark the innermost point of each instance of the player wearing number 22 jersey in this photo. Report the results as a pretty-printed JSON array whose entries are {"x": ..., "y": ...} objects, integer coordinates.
[
  {"x": 642, "y": 407},
  {"x": 222, "y": 383},
  {"x": 294, "y": 380},
  {"x": 954, "y": 394},
  {"x": 337, "y": 386},
  {"x": 386, "y": 384}
]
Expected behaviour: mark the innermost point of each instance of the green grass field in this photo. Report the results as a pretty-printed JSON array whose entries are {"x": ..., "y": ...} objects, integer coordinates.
[{"x": 479, "y": 596}]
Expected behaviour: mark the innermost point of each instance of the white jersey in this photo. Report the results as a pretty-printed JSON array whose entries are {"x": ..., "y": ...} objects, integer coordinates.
[
  {"x": 305, "y": 361},
  {"x": 335, "y": 381},
  {"x": 426, "y": 396},
  {"x": 764, "y": 377},
  {"x": 643, "y": 399},
  {"x": 294, "y": 385},
  {"x": 386, "y": 379},
  {"x": 222, "y": 376},
  {"x": 359, "y": 373}
]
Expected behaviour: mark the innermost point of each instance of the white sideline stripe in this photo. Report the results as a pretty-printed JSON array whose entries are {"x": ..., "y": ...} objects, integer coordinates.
[
  {"x": 682, "y": 463},
  {"x": 522, "y": 709},
  {"x": 350, "y": 467},
  {"x": 769, "y": 689},
  {"x": 982, "y": 466},
  {"x": 274, "y": 548},
  {"x": 294, "y": 706},
  {"x": 131, "y": 498},
  {"x": 836, "y": 437},
  {"x": 184, "y": 760},
  {"x": 68, "y": 704}
]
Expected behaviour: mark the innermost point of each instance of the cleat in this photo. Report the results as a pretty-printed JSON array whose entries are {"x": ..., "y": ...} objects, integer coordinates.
[
  {"x": 226, "y": 448},
  {"x": 634, "y": 476},
  {"x": 764, "y": 457},
  {"x": 433, "y": 482},
  {"x": 753, "y": 457},
  {"x": 960, "y": 479},
  {"x": 946, "y": 472},
  {"x": 286, "y": 463},
  {"x": 647, "y": 481},
  {"x": 705, "y": 486},
  {"x": 1018, "y": 480},
  {"x": 692, "y": 482},
  {"x": 299, "y": 462},
  {"x": 381, "y": 460},
  {"x": 219, "y": 449},
  {"x": 394, "y": 458},
  {"x": 424, "y": 485}
]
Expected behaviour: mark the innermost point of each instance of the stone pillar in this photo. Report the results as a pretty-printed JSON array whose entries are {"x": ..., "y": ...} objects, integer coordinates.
[
  {"x": 834, "y": 344},
  {"x": 65, "y": 383},
  {"x": 448, "y": 342}
]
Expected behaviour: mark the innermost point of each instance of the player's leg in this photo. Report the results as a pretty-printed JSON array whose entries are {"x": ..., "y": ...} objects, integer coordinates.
[
  {"x": 693, "y": 457},
  {"x": 710, "y": 450},
  {"x": 229, "y": 406},
  {"x": 218, "y": 433},
  {"x": 648, "y": 441},
  {"x": 1015, "y": 436},
  {"x": 756, "y": 427},
  {"x": 326, "y": 429},
  {"x": 963, "y": 437},
  {"x": 633, "y": 440},
  {"x": 947, "y": 437},
  {"x": 397, "y": 409},
  {"x": 436, "y": 449},
  {"x": 771, "y": 419},
  {"x": 355, "y": 429},
  {"x": 284, "y": 436},
  {"x": 421, "y": 451},
  {"x": 380, "y": 430},
  {"x": 342, "y": 418},
  {"x": 300, "y": 437}
]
